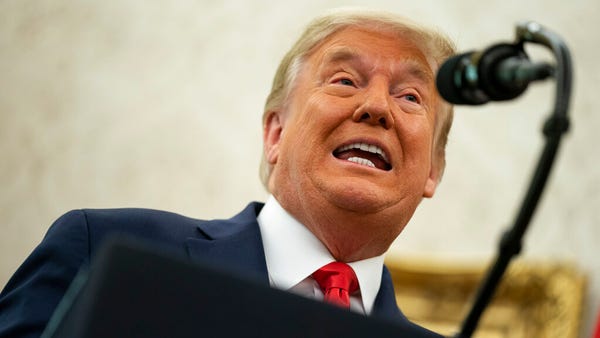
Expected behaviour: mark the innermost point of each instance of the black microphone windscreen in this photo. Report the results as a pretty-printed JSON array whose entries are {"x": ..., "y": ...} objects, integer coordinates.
[{"x": 449, "y": 78}]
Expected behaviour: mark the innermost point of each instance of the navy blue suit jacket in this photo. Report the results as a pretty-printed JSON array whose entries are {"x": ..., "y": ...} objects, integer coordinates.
[{"x": 31, "y": 295}]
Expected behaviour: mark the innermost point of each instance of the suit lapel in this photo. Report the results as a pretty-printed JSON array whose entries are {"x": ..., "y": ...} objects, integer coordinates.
[
  {"x": 385, "y": 307},
  {"x": 234, "y": 245},
  {"x": 385, "y": 303}
]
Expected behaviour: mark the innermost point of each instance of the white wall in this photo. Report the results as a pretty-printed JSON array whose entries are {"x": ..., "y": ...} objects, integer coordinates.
[{"x": 158, "y": 104}]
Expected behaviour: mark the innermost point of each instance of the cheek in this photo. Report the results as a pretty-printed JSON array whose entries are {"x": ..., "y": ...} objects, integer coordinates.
[
  {"x": 328, "y": 110},
  {"x": 319, "y": 115},
  {"x": 416, "y": 136}
]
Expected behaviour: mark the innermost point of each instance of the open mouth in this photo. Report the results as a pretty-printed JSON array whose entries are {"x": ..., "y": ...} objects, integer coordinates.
[{"x": 364, "y": 154}]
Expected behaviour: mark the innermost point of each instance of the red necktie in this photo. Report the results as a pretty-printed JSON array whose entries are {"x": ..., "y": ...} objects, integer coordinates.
[{"x": 337, "y": 281}]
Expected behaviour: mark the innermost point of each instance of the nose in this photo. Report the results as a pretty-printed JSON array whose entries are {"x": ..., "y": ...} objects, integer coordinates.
[{"x": 375, "y": 108}]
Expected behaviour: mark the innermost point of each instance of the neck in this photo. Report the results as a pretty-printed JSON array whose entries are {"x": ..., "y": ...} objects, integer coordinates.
[{"x": 348, "y": 235}]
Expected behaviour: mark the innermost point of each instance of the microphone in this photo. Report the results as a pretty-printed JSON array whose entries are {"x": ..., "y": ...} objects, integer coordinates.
[{"x": 498, "y": 73}]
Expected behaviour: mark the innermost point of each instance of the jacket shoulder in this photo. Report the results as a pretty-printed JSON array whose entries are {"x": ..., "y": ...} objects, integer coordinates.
[
  {"x": 162, "y": 227},
  {"x": 31, "y": 295}
]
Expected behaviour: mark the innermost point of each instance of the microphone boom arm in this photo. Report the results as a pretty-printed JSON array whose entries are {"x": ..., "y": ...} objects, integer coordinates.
[{"x": 554, "y": 128}]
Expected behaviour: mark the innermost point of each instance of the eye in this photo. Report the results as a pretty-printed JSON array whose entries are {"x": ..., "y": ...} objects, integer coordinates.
[
  {"x": 412, "y": 98},
  {"x": 346, "y": 82}
]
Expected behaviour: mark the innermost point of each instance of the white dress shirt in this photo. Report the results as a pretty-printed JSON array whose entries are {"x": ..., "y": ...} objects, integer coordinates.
[{"x": 293, "y": 253}]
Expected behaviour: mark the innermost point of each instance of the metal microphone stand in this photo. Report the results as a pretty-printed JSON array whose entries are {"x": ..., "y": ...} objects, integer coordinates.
[{"x": 554, "y": 128}]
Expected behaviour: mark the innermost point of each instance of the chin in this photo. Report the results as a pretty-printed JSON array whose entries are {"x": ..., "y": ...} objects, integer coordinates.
[{"x": 360, "y": 197}]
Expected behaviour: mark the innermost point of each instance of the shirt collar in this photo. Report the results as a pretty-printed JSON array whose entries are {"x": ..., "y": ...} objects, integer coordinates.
[{"x": 293, "y": 253}]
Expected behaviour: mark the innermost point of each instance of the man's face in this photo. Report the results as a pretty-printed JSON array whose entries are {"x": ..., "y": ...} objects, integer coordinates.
[{"x": 357, "y": 132}]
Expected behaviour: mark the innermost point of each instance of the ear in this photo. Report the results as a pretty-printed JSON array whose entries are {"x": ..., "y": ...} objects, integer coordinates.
[
  {"x": 435, "y": 175},
  {"x": 272, "y": 129}
]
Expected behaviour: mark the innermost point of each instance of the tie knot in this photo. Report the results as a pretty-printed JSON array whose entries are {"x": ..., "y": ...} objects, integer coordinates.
[{"x": 337, "y": 281}]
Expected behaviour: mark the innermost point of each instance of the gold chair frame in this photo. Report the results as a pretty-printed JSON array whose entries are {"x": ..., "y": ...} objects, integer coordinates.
[{"x": 533, "y": 300}]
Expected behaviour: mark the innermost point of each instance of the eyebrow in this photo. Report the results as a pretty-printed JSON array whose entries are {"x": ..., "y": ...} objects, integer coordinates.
[
  {"x": 418, "y": 70},
  {"x": 414, "y": 66},
  {"x": 341, "y": 54}
]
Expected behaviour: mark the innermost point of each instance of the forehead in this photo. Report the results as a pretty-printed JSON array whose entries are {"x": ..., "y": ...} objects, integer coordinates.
[{"x": 373, "y": 47}]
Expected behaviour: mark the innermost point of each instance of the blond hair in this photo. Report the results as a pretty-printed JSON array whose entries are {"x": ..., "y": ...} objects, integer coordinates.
[{"x": 435, "y": 45}]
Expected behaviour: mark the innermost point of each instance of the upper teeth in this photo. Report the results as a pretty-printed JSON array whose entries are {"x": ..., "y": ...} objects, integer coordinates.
[{"x": 366, "y": 147}]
